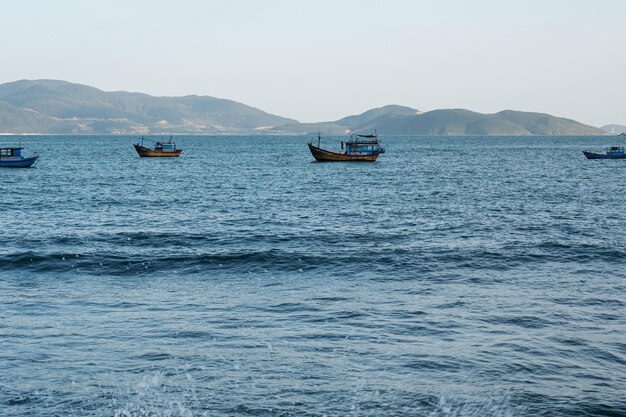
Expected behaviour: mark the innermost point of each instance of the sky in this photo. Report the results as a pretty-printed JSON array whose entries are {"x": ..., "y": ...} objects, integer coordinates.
[{"x": 322, "y": 60}]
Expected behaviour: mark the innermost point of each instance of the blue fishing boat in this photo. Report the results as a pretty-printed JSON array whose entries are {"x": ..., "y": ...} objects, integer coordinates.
[
  {"x": 614, "y": 152},
  {"x": 11, "y": 157}
]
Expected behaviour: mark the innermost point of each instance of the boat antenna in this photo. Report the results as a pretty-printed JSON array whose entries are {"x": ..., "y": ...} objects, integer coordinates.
[{"x": 318, "y": 139}]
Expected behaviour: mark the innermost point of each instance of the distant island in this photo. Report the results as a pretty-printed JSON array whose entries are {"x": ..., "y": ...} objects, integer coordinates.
[
  {"x": 398, "y": 120},
  {"x": 614, "y": 129},
  {"x": 61, "y": 107}
]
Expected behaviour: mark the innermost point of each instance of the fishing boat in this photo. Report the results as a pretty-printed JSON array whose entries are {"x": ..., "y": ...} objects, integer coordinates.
[
  {"x": 11, "y": 157},
  {"x": 161, "y": 149},
  {"x": 614, "y": 152},
  {"x": 359, "y": 148}
]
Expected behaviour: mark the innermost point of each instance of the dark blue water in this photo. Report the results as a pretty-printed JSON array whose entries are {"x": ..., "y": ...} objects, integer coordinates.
[{"x": 454, "y": 277}]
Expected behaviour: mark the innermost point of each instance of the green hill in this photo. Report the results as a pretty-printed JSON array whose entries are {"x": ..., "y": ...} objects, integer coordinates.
[
  {"x": 61, "y": 107},
  {"x": 397, "y": 120},
  {"x": 348, "y": 124},
  {"x": 17, "y": 120},
  {"x": 373, "y": 114}
]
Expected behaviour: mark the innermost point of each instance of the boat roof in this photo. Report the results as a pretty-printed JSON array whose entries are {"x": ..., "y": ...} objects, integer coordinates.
[
  {"x": 354, "y": 139},
  {"x": 11, "y": 147},
  {"x": 363, "y": 143}
]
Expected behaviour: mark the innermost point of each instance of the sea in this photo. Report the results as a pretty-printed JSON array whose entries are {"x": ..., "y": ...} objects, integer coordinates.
[{"x": 454, "y": 277}]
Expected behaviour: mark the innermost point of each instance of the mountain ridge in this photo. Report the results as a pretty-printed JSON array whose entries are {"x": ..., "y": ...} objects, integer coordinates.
[
  {"x": 62, "y": 107},
  {"x": 83, "y": 109},
  {"x": 446, "y": 122}
]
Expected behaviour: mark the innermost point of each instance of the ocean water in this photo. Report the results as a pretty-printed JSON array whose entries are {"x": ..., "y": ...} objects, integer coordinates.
[{"x": 480, "y": 277}]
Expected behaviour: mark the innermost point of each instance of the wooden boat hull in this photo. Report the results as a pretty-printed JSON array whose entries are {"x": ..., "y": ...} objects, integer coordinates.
[
  {"x": 594, "y": 155},
  {"x": 11, "y": 162},
  {"x": 322, "y": 155},
  {"x": 151, "y": 153}
]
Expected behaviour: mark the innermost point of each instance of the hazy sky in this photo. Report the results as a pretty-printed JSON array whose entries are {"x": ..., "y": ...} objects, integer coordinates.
[{"x": 322, "y": 60}]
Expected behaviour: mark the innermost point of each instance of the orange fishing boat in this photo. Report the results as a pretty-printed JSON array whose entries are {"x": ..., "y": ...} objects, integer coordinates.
[
  {"x": 359, "y": 148},
  {"x": 161, "y": 149}
]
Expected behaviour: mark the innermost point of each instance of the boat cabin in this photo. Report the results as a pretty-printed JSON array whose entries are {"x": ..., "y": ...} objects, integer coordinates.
[
  {"x": 615, "y": 150},
  {"x": 11, "y": 152},
  {"x": 165, "y": 147},
  {"x": 363, "y": 145}
]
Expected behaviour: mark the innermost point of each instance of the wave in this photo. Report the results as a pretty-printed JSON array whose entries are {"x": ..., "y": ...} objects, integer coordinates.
[{"x": 178, "y": 255}]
